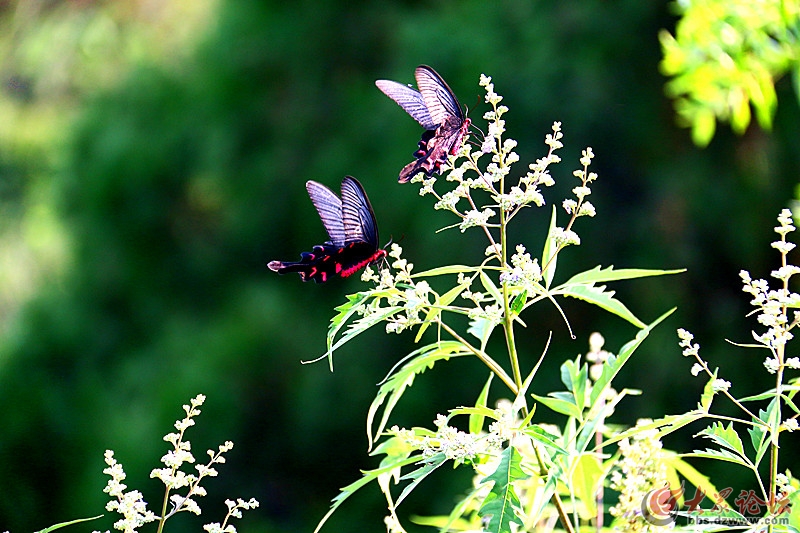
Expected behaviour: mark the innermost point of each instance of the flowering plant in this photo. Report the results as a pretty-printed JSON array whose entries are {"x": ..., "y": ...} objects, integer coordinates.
[{"x": 526, "y": 472}]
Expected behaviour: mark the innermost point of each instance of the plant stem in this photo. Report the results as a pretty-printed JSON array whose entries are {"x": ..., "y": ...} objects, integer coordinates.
[{"x": 483, "y": 356}]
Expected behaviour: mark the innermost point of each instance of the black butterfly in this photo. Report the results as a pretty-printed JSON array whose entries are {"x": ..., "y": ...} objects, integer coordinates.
[
  {"x": 436, "y": 108},
  {"x": 350, "y": 223}
]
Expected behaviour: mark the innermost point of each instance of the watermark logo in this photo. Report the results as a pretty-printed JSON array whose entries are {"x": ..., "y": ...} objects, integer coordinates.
[{"x": 660, "y": 508}]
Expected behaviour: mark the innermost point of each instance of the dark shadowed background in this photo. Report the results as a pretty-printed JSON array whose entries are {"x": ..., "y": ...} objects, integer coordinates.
[{"x": 153, "y": 159}]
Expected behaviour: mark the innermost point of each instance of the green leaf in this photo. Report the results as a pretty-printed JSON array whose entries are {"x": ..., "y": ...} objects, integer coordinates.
[
  {"x": 726, "y": 437},
  {"x": 708, "y": 393},
  {"x": 443, "y": 270},
  {"x": 601, "y": 298},
  {"x": 476, "y": 420},
  {"x": 481, "y": 328},
  {"x": 574, "y": 376},
  {"x": 438, "y": 305},
  {"x": 347, "y": 310},
  {"x": 65, "y": 524},
  {"x": 429, "y": 464},
  {"x": 665, "y": 426},
  {"x": 614, "y": 364},
  {"x": 549, "y": 258},
  {"x": 546, "y": 438},
  {"x": 586, "y": 479},
  {"x": 395, "y": 385},
  {"x": 518, "y": 303},
  {"x": 454, "y": 522},
  {"x": 500, "y": 504},
  {"x": 490, "y": 287},
  {"x": 720, "y": 455},
  {"x": 759, "y": 441},
  {"x": 367, "y": 477},
  {"x": 692, "y": 475},
  {"x": 560, "y": 403},
  {"x": 604, "y": 275},
  {"x": 703, "y": 126}
]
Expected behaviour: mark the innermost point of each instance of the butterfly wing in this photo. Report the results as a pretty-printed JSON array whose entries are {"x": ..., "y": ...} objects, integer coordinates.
[
  {"x": 329, "y": 207},
  {"x": 410, "y": 100},
  {"x": 437, "y": 95},
  {"x": 357, "y": 215},
  {"x": 351, "y": 225}
]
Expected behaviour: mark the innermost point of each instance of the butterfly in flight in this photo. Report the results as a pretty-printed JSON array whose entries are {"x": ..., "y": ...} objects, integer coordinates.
[
  {"x": 350, "y": 223},
  {"x": 437, "y": 109}
]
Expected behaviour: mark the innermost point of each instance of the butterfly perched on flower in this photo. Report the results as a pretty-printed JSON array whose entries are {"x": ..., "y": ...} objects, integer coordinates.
[
  {"x": 437, "y": 109},
  {"x": 350, "y": 223}
]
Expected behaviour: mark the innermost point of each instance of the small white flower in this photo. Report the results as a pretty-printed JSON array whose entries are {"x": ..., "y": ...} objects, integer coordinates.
[
  {"x": 771, "y": 364},
  {"x": 720, "y": 385}
]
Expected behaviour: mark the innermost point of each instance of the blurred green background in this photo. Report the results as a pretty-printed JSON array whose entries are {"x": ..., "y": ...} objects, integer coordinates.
[{"x": 152, "y": 159}]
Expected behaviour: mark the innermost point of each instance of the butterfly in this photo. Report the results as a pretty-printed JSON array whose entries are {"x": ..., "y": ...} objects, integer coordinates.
[
  {"x": 436, "y": 108},
  {"x": 350, "y": 223}
]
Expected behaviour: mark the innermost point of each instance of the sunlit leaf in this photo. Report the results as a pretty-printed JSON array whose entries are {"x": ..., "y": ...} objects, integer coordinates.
[
  {"x": 549, "y": 257},
  {"x": 392, "y": 389},
  {"x": 476, "y": 420},
  {"x": 500, "y": 505},
  {"x": 65, "y": 524}
]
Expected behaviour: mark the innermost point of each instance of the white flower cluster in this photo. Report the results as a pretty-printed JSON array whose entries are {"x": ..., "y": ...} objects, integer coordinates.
[
  {"x": 130, "y": 505},
  {"x": 641, "y": 470},
  {"x": 773, "y": 304},
  {"x": 234, "y": 511},
  {"x": 525, "y": 271},
  {"x": 397, "y": 289}
]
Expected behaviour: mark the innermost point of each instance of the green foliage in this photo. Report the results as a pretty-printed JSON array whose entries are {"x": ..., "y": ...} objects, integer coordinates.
[
  {"x": 65, "y": 524},
  {"x": 518, "y": 455},
  {"x": 501, "y": 505},
  {"x": 149, "y": 167},
  {"x": 726, "y": 55}
]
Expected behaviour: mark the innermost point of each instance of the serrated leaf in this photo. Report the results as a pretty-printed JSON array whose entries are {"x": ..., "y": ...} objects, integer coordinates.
[
  {"x": 429, "y": 464},
  {"x": 727, "y": 437},
  {"x": 65, "y": 524},
  {"x": 345, "y": 312},
  {"x": 549, "y": 258},
  {"x": 665, "y": 426},
  {"x": 395, "y": 385},
  {"x": 615, "y": 363},
  {"x": 721, "y": 455},
  {"x": 604, "y": 275},
  {"x": 367, "y": 477},
  {"x": 476, "y": 420},
  {"x": 601, "y": 298},
  {"x": 501, "y": 503}
]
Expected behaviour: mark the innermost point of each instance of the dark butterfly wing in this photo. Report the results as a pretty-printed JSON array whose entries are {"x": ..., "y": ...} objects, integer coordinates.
[
  {"x": 329, "y": 207},
  {"x": 437, "y": 95},
  {"x": 351, "y": 225},
  {"x": 410, "y": 100},
  {"x": 357, "y": 215}
]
